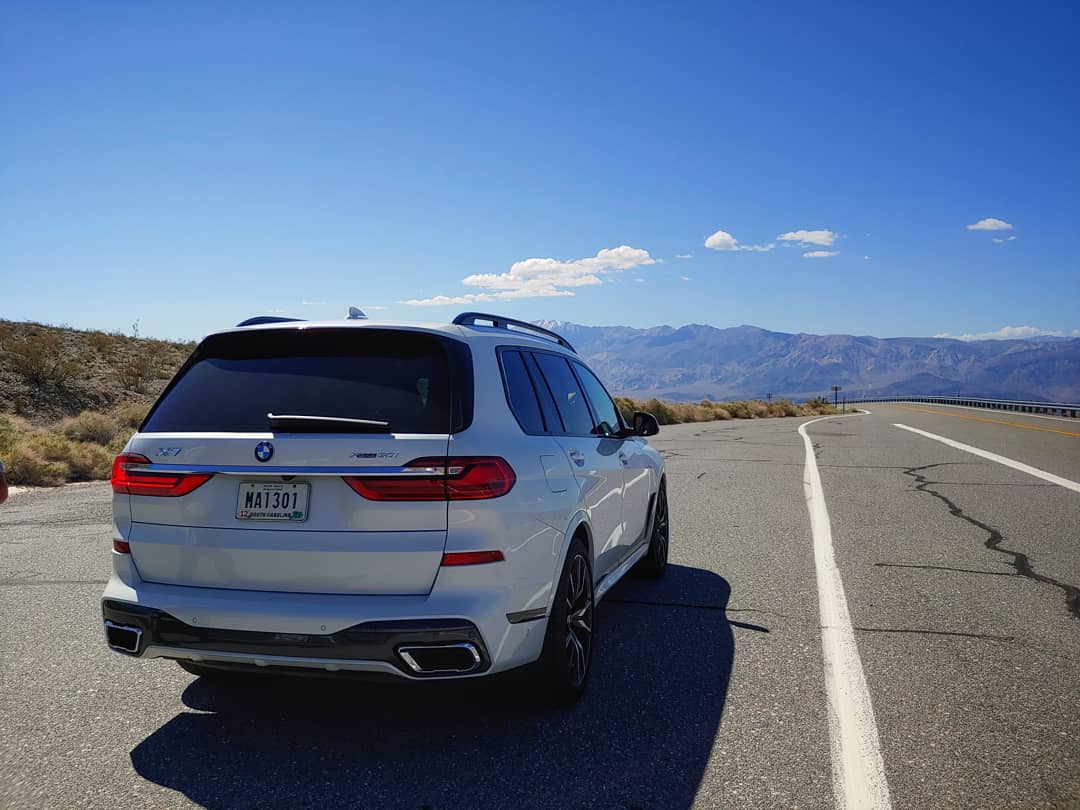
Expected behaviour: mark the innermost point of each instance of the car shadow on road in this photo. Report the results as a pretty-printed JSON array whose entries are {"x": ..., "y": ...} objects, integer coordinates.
[{"x": 641, "y": 736}]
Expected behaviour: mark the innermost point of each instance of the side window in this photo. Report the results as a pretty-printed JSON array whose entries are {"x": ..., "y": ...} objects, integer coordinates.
[
  {"x": 543, "y": 393},
  {"x": 522, "y": 396},
  {"x": 607, "y": 415},
  {"x": 568, "y": 396}
]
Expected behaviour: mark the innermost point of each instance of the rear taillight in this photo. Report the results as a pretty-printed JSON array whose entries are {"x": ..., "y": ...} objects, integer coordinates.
[
  {"x": 129, "y": 481},
  {"x": 464, "y": 478}
]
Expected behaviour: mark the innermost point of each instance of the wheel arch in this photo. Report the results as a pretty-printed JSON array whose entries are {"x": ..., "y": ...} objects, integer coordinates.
[{"x": 577, "y": 527}]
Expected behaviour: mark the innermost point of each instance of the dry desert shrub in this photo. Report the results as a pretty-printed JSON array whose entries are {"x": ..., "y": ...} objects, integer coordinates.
[
  {"x": 39, "y": 358},
  {"x": 131, "y": 415},
  {"x": 27, "y": 466},
  {"x": 90, "y": 426},
  {"x": 43, "y": 458}
]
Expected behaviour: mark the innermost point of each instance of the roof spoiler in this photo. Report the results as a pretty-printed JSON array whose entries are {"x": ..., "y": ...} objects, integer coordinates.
[{"x": 501, "y": 322}]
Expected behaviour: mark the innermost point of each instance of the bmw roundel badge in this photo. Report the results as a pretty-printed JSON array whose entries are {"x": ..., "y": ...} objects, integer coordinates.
[{"x": 264, "y": 451}]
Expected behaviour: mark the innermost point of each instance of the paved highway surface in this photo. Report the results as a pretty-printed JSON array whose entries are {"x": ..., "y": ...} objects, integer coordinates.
[{"x": 961, "y": 577}]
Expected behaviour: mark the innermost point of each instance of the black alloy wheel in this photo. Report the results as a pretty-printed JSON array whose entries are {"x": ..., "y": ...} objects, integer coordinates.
[
  {"x": 579, "y": 621},
  {"x": 562, "y": 672}
]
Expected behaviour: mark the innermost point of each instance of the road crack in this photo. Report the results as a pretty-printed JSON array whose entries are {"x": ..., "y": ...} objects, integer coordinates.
[
  {"x": 981, "y": 636},
  {"x": 947, "y": 568},
  {"x": 1019, "y": 561}
]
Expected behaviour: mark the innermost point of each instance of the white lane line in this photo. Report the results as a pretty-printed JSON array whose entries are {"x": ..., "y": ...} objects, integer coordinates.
[
  {"x": 1008, "y": 462},
  {"x": 858, "y": 769}
]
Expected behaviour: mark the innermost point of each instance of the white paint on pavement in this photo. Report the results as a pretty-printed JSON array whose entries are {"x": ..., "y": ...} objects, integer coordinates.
[
  {"x": 858, "y": 769},
  {"x": 1008, "y": 462}
]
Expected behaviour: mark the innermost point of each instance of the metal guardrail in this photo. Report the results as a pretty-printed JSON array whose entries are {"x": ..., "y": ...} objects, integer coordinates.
[{"x": 1019, "y": 406}]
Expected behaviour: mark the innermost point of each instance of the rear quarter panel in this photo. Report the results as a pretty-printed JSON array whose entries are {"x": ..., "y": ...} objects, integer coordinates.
[{"x": 529, "y": 523}]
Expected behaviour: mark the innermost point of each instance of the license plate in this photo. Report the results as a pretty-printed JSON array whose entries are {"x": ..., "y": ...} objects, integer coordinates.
[{"x": 264, "y": 500}]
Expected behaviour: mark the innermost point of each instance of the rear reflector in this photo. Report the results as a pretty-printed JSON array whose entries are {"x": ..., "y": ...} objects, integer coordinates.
[
  {"x": 128, "y": 481},
  {"x": 462, "y": 478},
  {"x": 471, "y": 557},
  {"x": 121, "y": 546}
]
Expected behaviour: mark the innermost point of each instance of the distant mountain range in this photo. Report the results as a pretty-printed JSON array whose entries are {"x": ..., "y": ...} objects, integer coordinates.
[{"x": 698, "y": 362}]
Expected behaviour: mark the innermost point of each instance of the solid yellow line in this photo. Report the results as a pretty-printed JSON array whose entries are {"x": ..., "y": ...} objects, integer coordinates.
[{"x": 993, "y": 421}]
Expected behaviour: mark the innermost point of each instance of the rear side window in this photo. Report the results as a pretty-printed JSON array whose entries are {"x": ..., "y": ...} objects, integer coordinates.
[
  {"x": 233, "y": 380},
  {"x": 520, "y": 392},
  {"x": 543, "y": 393},
  {"x": 568, "y": 396},
  {"x": 607, "y": 415}
]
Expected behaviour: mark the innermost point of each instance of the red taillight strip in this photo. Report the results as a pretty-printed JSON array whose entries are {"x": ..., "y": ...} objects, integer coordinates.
[
  {"x": 121, "y": 546},
  {"x": 471, "y": 557},
  {"x": 127, "y": 479},
  {"x": 459, "y": 478}
]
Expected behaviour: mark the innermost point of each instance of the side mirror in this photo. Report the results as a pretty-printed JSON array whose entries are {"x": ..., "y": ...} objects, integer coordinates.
[{"x": 645, "y": 424}]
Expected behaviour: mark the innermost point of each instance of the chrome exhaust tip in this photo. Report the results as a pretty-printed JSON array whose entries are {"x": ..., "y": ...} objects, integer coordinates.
[
  {"x": 441, "y": 659},
  {"x": 123, "y": 637}
]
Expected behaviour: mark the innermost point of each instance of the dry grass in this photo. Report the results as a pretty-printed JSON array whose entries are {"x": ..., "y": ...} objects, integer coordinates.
[
  {"x": 78, "y": 449},
  {"x": 131, "y": 415},
  {"x": 90, "y": 426},
  {"x": 673, "y": 413}
]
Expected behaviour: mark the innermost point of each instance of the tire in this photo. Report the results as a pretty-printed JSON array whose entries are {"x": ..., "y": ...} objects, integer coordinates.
[
  {"x": 654, "y": 563},
  {"x": 562, "y": 672}
]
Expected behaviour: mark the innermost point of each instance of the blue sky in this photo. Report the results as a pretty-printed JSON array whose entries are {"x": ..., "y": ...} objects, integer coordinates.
[{"x": 188, "y": 167}]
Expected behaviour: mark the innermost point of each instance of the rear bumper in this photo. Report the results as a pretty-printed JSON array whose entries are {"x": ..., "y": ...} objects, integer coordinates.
[
  {"x": 327, "y": 632},
  {"x": 367, "y": 647}
]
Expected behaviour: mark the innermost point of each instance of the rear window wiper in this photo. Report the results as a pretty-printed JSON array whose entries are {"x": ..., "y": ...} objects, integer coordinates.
[{"x": 304, "y": 423}]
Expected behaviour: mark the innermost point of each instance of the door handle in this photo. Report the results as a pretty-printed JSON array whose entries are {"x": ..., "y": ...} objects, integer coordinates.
[
  {"x": 623, "y": 458},
  {"x": 576, "y": 456}
]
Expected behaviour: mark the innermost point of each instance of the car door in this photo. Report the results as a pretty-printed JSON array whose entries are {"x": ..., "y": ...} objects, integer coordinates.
[
  {"x": 637, "y": 476},
  {"x": 593, "y": 459}
]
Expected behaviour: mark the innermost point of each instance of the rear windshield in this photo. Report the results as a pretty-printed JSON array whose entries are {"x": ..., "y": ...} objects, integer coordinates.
[{"x": 234, "y": 380}]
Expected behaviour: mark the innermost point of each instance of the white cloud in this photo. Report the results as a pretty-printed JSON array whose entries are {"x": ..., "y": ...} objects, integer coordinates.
[
  {"x": 806, "y": 238},
  {"x": 313, "y": 303},
  {"x": 639, "y": 280},
  {"x": 544, "y": 278},
  {"x": 821, "y": 254},
  {"x": 684, "y": 278},
  {"x": 990, "y": 224},
  {"x": 443, "y": 300},
  {"x": 999, "y": 239},
  {"x": 1010, "y": 333},
  {"x": 867, "y": 258},
  {"x": 722, "y": 240},
  {"x": 684, "y": 255}
]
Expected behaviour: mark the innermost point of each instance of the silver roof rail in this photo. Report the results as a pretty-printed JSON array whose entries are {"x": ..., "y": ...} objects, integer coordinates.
[{"x": 502, "y": 322}]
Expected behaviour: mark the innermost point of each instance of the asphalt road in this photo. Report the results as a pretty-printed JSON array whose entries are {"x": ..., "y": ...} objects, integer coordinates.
[{"x": 961, "y": 577}]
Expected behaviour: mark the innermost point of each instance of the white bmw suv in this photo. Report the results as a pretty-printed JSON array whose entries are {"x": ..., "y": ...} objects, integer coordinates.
[{"x": 418, "y": 501}]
